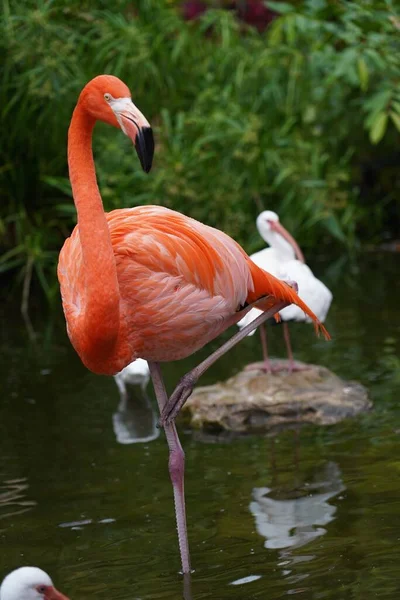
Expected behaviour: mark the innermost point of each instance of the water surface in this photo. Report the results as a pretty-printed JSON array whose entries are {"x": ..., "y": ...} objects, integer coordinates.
[{"x": 313, "y": 512}]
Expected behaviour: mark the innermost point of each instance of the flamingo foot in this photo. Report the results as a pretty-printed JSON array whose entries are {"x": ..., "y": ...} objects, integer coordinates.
[{"x": 177, "y": 399}]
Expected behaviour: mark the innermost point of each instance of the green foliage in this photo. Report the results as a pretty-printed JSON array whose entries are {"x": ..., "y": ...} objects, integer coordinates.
[{"x": 243, "y": 121}]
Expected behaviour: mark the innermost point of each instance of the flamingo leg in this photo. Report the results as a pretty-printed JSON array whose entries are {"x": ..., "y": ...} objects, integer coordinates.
[
  {"x": 176, "y": 466},
  {"x": 185, "y": 386}
]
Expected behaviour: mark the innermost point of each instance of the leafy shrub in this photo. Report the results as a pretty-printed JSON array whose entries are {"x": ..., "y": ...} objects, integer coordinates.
[{"x": 302, "y": 119}]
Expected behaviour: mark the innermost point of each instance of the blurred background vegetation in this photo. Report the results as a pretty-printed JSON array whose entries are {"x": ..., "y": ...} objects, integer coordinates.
[{"x": 293, "y": 107}]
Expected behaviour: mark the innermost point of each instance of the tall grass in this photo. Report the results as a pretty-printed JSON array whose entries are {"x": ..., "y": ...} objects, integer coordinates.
[{"x": 290, "y": 120}]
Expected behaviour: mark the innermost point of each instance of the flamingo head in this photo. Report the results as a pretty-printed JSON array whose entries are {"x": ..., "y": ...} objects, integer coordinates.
[
  {"x": 29, "y": 583},
  {"x": 275, "y": 234},
  {"x": 107, "y": 98}
]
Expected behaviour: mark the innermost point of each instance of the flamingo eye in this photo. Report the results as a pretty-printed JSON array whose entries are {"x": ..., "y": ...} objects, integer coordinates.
[{"x": 107, "y": 97}]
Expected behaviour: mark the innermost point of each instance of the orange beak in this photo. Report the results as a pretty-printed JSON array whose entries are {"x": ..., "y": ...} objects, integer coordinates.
[
  {"x": 53, "y": 594},
  {"x": 279, "y": 228}
]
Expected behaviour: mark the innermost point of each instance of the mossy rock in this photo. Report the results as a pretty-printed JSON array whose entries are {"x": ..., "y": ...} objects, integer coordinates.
[{"x": 254, "y": 401}]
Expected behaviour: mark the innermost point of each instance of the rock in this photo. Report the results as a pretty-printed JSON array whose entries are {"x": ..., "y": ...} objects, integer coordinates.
[{"x": 254, "y": 401}]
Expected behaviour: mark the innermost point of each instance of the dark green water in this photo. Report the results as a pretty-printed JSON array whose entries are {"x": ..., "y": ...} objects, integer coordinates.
[{"x": 314, "y": 512}]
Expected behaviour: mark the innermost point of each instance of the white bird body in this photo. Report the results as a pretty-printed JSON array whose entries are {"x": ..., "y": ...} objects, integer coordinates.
[
  {"x": 311, "y": 290},
  {"x": 136, "y": 373},
  {"x": 280, "y": 260},
  {"x": 29, "y": 583}
]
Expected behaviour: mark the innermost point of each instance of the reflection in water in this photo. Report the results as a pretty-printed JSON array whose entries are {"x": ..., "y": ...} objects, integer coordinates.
[
  {"x": 55, "y": 443},
  {"x": 135, "y": 420},
  {"x": 289, "y": 519},
  {"x": 80, "y": 524},
  {"x": 187, "y": 586},
  {"x": 12, "y": 498},
  {"x": 248, "y": 579},
  {"x": 297, "y": 519}
]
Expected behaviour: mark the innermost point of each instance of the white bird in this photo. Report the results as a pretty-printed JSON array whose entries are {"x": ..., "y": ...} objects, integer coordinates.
[
  {"x": 135, "y": 420},
  {"x": 29, "y": 583},
  {"x": 136, "y": 373},
  {"x": 285, "y": 260}
]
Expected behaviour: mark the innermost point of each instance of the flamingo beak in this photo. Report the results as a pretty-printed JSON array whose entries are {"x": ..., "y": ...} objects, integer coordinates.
[
  {"x": 53, "y": 594},
  {"x": 135, "y": 125},
  {"x": 145, "y": 147},
  {"x": 279, "y": 228}
]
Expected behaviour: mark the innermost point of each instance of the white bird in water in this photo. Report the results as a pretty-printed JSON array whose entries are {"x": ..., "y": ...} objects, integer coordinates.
[
  {"x": 136, "y": 373},
  {"x": 29, "y": 583},
  {"x": 135, "y": 420},
  {"x": 284, "y": 259}
]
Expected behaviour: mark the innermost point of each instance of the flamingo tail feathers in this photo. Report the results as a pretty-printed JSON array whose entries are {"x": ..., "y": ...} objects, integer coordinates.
[{"x": 270, "y": 290}]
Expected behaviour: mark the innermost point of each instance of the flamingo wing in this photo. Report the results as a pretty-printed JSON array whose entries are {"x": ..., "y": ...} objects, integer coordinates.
[{"x": 181, "y": 284}]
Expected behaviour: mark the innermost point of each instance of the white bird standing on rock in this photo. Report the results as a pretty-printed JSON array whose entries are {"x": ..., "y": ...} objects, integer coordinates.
[
  {"x": 29, "y": 583},
  {"x": 285, "y": 260}
]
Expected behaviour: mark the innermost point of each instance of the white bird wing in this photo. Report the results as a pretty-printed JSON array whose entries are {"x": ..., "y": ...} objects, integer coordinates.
[
  {"x": 251, "y": 315},
  {"x": 268, "y": 260},
  {"x": 311, "y": 290}
]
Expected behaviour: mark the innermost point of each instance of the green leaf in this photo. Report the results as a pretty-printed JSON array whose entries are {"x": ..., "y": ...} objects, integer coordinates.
[
  {"x": 363, "y": 73},
  {"x": 334, "y": 228},
  {"x": 59, "y": 183},
  {"x": 280, "y": 7},
  {"x": 396, "y": 119},
  {"x": 275, "y": 32},
  {"x": 378, "y": 128}
]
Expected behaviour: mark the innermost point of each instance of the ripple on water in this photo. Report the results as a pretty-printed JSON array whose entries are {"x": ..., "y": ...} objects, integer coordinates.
[{"x": 12, "y": 498}]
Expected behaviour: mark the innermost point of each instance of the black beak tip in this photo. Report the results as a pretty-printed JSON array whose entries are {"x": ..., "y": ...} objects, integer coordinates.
[{"x": 145, "y": 148}]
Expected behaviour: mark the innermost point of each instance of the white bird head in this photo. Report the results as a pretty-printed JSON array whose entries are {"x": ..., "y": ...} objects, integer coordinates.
[
  {"x": 274, "y": 233},
  {"x": 29, "y": 583}
]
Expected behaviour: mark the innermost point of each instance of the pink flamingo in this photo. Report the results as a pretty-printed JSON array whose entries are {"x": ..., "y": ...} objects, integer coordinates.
[{"x": 150, "y": 282}]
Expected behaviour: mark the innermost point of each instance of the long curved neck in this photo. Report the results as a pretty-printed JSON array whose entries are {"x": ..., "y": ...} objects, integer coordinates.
[
  {"x": 276, "y": 241},
  {"x": 102, "y": 296}
]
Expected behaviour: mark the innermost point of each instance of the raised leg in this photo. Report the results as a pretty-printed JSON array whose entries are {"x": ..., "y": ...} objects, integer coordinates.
[
  {"x": 176, "y": 467},
  {"x": 188, "y": 381}
]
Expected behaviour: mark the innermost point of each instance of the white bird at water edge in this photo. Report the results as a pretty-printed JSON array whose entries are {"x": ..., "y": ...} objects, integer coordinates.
[
  {"x": 136, "y": 373},
  {"x": 29, "y": 583},
  {"x": 135, "y": 421}
]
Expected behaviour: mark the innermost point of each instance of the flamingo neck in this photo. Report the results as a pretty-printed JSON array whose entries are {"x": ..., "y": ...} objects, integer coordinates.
[{"x": 101, "y": 307}]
